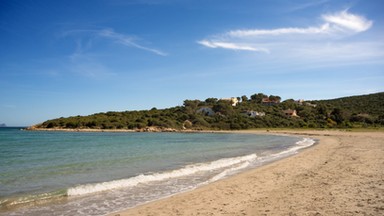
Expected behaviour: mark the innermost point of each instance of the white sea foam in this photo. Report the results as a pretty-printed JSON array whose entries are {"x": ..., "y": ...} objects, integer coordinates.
[
  {"x": 304, "y": 143},
  {"x": 228, "y": 171},
  {"x": 185, "y": 171}
]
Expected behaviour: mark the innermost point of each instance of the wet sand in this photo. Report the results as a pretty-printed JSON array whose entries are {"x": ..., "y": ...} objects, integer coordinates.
[{"x": 342, "y": 175}]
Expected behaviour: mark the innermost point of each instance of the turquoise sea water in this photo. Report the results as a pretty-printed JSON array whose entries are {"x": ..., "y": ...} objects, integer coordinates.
[{"x": 96, "y": 173}]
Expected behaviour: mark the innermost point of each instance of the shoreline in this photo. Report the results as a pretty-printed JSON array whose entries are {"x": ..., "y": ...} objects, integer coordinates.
[
  {"x": 68, "y": 193},
  {"x": 341, "y": 175}
]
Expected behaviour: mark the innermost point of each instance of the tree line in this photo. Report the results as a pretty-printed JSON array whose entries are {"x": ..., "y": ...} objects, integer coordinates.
[{"x": 217, "y": 114}]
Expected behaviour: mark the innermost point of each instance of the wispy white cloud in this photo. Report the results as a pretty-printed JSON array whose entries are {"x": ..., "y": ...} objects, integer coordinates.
[
  {"x": 87, "y": 60},
  {"x": 108, "y": 34},
  {"x": 127, "y": 40},
  {"x": 226, "y": 45},
  {"x": 347, "y": 21},
  {"x": 324, "y": 44},
  {"x": 335, "y": 28},
  {"x": 280, "y": 31},
  {"x": 336, "y": 23}
]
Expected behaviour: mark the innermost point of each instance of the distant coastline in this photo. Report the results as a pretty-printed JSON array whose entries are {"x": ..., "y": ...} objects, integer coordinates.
[
  {"x": 147, "y": 129},
  {"x": 260, "y": 111}
]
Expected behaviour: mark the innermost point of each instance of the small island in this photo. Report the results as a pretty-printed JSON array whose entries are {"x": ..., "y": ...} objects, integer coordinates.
[{"x": 3, "y": 125}]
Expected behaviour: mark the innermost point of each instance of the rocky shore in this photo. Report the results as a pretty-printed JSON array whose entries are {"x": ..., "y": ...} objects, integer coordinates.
[{"x": 146, "y": 129}]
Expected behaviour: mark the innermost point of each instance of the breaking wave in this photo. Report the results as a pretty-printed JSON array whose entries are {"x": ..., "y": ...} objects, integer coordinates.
[
  {"x": 240, "y": 162},
  {"x": 304, "y": 143}
]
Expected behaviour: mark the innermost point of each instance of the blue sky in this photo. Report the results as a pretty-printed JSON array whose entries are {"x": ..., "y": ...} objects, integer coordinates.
[{"x": 66, "y": 58}]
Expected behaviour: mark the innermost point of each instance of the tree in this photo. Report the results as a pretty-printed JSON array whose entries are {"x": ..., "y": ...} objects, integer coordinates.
[
  {"x": 363, "y": 118},
  {"x": 288, "y": 104},
  {"x": 192, "y": 103},
  {"x": 200, "y": 122},
  {"x": 258, "y": 97},
  {"x": 274, "y": 98},
  {"x": 380, "y": 120},
  {"x": 52, "y": 125},
  {"x": 337, "y": 115},
  {"x": 211, "y": 101},
  {"x": 244, "y": 98},
  {"x": 223, "y": 107},
  {"x": 306, "y": 112},
  {"x": 191, "y": 106},
  {"x": 322, "y": 111}
]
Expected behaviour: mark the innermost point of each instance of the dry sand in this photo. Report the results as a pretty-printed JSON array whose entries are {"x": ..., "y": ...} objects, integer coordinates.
[{"x": 342, "y": 175}]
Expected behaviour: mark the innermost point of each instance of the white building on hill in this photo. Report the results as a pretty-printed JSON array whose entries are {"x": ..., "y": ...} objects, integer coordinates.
[{"x": 234, "y": 101}]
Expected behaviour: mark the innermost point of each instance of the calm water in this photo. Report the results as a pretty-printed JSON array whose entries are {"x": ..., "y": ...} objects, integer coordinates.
[{"x": 65, "y": 173}]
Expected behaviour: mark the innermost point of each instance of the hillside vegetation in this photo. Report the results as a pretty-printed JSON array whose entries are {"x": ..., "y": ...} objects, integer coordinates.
[{"x": 257, "y": 111}]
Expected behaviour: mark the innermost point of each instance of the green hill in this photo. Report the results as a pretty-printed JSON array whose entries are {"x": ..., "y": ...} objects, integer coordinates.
[
  {"x": 258, "y": 111},
  {"x": 372, "y": 104}
]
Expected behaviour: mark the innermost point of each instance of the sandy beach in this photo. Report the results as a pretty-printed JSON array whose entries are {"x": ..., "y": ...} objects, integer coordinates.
[{"x": 342, "y": 175}]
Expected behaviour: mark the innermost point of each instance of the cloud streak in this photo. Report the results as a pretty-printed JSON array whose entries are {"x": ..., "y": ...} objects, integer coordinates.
[
  {"x": 110, "y": 35},
  {"x": 127, "y": 41},
  {"x": 280, "y": 31},
  {"x": 88, "y": 62},
  {"x": 337, "y": 25},
  {"x": 225, "y": 45}
]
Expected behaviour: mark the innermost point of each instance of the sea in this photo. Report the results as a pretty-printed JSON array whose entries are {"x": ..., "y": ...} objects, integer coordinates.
[{"x": 99, "y": 173}]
